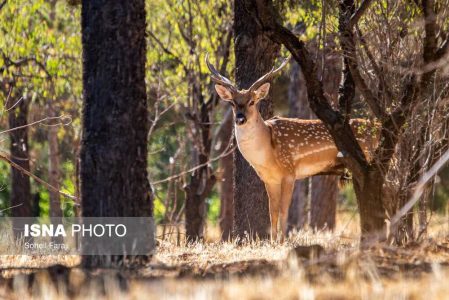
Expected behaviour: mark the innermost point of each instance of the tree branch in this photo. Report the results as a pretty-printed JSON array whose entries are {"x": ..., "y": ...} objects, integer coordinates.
[
  {"x": 358, "y": 14},
  {"x": 4, "y": 156},
  {"x": 2, "y": 4},
  {"x": 349, "y": 52},
  {"x": 443, "y": 50},
  {"x": 167, "y": 51}
]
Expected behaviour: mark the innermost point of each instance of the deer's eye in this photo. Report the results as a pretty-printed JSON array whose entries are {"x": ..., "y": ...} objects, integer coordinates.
[{"x": 251, "y": 103}]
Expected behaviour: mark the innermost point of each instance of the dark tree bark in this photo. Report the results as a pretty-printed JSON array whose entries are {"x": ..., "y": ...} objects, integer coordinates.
[
  {"x": 53, "y": 166},
  {"x": 324, "y": 202},
  {"x": 254, "y": 54},
  {"x": 226, "y": 181},
  {"x": 21, "y": 199},
  {"x": 113, "y": 166},
  {"x": 53, "y": 146}
]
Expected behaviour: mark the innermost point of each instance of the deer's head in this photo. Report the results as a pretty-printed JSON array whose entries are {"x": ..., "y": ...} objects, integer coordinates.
[{"x": 244, "y": 102}]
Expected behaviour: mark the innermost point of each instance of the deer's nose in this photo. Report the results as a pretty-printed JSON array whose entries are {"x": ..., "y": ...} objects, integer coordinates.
[{"x": 240, "y": 119}]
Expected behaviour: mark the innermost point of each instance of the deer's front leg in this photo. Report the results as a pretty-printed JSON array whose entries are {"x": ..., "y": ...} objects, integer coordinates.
[
  {"x": 274, "y": 195},
  {"x": 288, "y": 185}
]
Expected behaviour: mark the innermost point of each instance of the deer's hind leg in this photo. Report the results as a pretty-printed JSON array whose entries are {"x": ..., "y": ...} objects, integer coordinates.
[{"x": 274, "y": 195}]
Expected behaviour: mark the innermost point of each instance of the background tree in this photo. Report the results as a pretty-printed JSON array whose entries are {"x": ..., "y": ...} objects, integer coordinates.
[
  {"x": 200, "y": 28},
  {"x": 37, "y": 60},
  {"x": 115, "y": 117}
]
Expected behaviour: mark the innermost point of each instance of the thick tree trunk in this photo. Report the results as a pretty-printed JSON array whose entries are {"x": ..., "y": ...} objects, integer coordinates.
[
  {"x": 324, "y": 202},
  {"x": 113, "y": 166},
  {"x": 53, "y": 167},
  {"x": 254, "y": 55},
  {"x": 371, "y": 209},
  {"x": 226, "y": 183},
  {"x": 21, "y": 199}
]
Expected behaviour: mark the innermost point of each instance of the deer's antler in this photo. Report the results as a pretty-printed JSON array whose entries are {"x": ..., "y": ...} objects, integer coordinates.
[{"x": 218, "y": 78}]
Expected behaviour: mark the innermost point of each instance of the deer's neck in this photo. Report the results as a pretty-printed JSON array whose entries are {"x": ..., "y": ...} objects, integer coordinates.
[{"x": 254, "y": 140}]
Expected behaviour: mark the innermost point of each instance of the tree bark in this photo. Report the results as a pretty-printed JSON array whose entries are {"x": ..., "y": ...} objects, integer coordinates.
[
  {"x": 21, "y": 199},
  {"x": 53, "y": 166},
  {"x": 324, "y": 202},
  {"x": 226, "y": 182},
  {"x": 254, "y": 54},
  {"x": 202, "y": 180},
  {"x": 113, "y": 167}
]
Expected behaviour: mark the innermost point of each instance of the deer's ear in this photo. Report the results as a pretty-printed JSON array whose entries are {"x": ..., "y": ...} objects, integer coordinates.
[
  {"x": 223, "y": 92},
  {"x": 262, "y": 91}
]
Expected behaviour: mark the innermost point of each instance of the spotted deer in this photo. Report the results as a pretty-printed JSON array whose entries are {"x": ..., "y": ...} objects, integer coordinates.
[{"x": 282, "y": 150}]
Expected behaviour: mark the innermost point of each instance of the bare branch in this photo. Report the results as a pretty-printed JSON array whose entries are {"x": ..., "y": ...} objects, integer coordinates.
[
  {"x": 359, "y": 13},
  {"x": 167, "y": 51},
  {"x": 4, "y": 157},
  {"x": 2, "y": 4},
  {"x": 350, "y": 56},
  {"x": 37, "y": 122},
  {"x": 443, "y": 50},
  {"x": 420, "y": 187},
  {"x": 223, "y": 154}
]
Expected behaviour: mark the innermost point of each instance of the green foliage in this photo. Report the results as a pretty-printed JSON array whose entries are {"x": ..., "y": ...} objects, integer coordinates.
[
  {"x": 5, "y": 188},
  {"x": 40, "y": 49},
  {"x": 213, "y": 205}
]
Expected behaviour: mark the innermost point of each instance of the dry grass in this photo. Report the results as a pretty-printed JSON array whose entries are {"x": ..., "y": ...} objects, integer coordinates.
[{"x": 257, "y": 270}]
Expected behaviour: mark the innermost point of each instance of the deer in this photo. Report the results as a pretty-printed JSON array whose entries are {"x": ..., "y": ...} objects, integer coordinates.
[{"x": 283, "y": 150}]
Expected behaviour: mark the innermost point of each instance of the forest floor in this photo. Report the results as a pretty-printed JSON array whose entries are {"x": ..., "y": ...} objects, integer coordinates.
[{"x": 257, "y": 270}]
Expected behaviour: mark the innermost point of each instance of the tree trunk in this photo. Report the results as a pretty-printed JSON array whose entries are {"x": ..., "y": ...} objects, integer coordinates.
[
  {"x": 53, "y": 166},
  {"x": 324, "y": 202},
  {"x": 371, "y": 209},
  {"x": 113, "y": 167},
  {"x": 254, "y": 55},
  {"x": 21, "y": 199},
  {"x": 297, "y": 214},
  {"x": 226, "y": 182},
  {"x": 199, "y": 187},
  {"x": 202, "y": 180}
]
